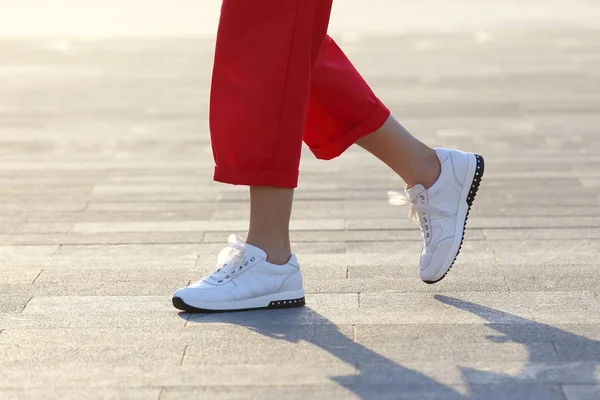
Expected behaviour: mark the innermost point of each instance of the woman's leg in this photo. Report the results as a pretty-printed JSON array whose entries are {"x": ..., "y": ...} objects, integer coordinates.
[
  {"x": 344, "y": 110},
  {"x": 265, "y": 52},
  {"x": 414, "y": 161},
  {"x": 441, "y": 183}
]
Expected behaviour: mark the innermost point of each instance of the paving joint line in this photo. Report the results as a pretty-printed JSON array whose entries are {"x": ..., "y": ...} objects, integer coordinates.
[
  {"x": 561, "y": 387},
  {"x": 506, "y": 283},
  {"x": 56, "y": 250},
  {"x": 184, "y": 352},
  {"x": 26, "y": 304},
  {"x": 555, "y": 348},
  {"x": 36, "y": 278}
]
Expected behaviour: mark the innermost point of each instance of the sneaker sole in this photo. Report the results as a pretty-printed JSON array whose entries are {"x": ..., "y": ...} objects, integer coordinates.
[
  {"x": 279, "y": 300},
  {"x": 470, "y": 197}
]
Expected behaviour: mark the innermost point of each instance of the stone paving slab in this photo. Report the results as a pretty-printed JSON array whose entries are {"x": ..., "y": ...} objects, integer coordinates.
[
  {"x": 13, "y": 304},
  {"x": 79, "y": 393},
  {"x": 581, "y": 392},
  {"x": 387, "y": 392}
]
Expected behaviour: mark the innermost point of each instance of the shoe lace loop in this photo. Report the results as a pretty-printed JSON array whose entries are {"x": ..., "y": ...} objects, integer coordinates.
[
  {"x": 418, "y": 211},
  {"x": 230, "y": 261}
]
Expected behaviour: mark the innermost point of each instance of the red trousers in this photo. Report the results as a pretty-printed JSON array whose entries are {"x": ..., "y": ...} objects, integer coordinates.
[{"x": 278, "y": 80}]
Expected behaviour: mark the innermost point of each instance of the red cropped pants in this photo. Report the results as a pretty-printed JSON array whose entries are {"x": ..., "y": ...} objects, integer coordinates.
[{"x": 278, "y": 80}]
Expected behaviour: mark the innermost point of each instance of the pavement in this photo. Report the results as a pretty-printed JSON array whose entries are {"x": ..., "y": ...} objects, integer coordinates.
[{"x": 107, "y": 206}]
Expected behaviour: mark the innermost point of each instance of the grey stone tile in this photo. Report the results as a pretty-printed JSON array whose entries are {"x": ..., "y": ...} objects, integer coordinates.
[
  {"x": 197, "y": 226},
  {"x": 262, "y": 393},
  {"x": 63, "y": 337},
  {"x": 93, "y": 311},
  {"x": 273, "y": 345},
  {"x": 382, "y": 279},
  {"x": 79, "y": 305},
  {"x": 505, "y": 374},
  {"x": 37, "y": 227},
  {"x": 456, "y": 350},
  {"x": 354, "y": 236},
  {"x": 578, "y": 349},
  {"x": 514, "y": 307},
  {"x": 100, "y": 260},
  {"x": 582, "y": 392},
  {"x": 554, "y": 278},
  {"x": 165, "y": 214},
  {"x": 542, "y": 233},
  {"x": 18, "y": 356},
  {"x": 101, "y": 288},
  {"x": 80, "y": 393},
  {"x": 385, "y": 392},
  {"x": 487, "y": 223},
  {"x": 498, "y": 333},
  {"x": 85, "y": 251},
  {"x": 401, "y": 264},
  {"x": 544, "y": 252},
  {"x": 18, "y": 277},
  {"x": 63, "y": 205},
  {"x": 12, "y": 303},
  {"x": 115, "y": 275},
  {"x": 406, "y": 251},
  {"x": 103, "y": 238},
  {"x": 69, "y": 318},
  {"x": 75, "y": 376},
  {"x": 12, "y": 252}
]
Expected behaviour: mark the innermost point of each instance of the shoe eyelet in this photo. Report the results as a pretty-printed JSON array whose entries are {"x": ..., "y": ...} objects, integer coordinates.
[{"x": 252, "y": 259}]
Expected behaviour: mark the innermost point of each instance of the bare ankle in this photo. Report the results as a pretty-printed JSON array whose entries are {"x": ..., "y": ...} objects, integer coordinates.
[
  {"x": 277, "y": 253},
  {"x": 425, "y": 170}
]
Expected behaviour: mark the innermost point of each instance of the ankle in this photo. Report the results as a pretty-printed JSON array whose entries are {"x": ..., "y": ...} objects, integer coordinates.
[
  {"x": 425, "y": 169},
  {"x": 277, "y": 253}
]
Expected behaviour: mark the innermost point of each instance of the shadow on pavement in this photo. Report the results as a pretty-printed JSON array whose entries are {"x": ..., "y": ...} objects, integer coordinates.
[{"x": 379, "y": 377}]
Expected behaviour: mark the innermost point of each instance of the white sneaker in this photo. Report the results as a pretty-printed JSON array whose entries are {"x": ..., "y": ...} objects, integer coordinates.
[
  {"x": 442, "y": 210},
  {"x": 244, "y": 280}
]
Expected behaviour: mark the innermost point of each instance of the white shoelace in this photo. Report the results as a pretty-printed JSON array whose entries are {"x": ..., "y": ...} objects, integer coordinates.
[
  {"x": 230, "y": 260},
  {"x": 400, "y": 199}
]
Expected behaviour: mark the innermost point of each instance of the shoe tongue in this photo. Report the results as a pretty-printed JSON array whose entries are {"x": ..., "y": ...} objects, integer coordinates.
[
  {"x": 414, "y": 192},
  {"x": 254, "y": 251},
  {"x": 250, "y": 250}
]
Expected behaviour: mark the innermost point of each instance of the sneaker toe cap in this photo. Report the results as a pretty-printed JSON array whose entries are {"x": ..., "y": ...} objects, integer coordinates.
[
  {"x": 433, "y": 260},
  {"x": 203, "y": 295}
]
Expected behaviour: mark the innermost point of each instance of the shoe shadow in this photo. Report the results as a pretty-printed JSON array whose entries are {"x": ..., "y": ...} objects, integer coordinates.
[
  {"x": 374, "y": 373},
  {"x": 577, "y": 357},
  {"x": 378, "y": 377}
]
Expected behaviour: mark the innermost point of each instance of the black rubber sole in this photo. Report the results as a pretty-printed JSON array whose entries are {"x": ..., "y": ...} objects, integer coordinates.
[
  {"x": 179, "y": 304},
  {"x": 470, "y": 198}
]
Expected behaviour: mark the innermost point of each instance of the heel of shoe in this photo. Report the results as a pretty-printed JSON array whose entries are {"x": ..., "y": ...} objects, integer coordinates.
[
  {"x": 479, "y": 169},
  {"x": 301, "y": 302}
]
